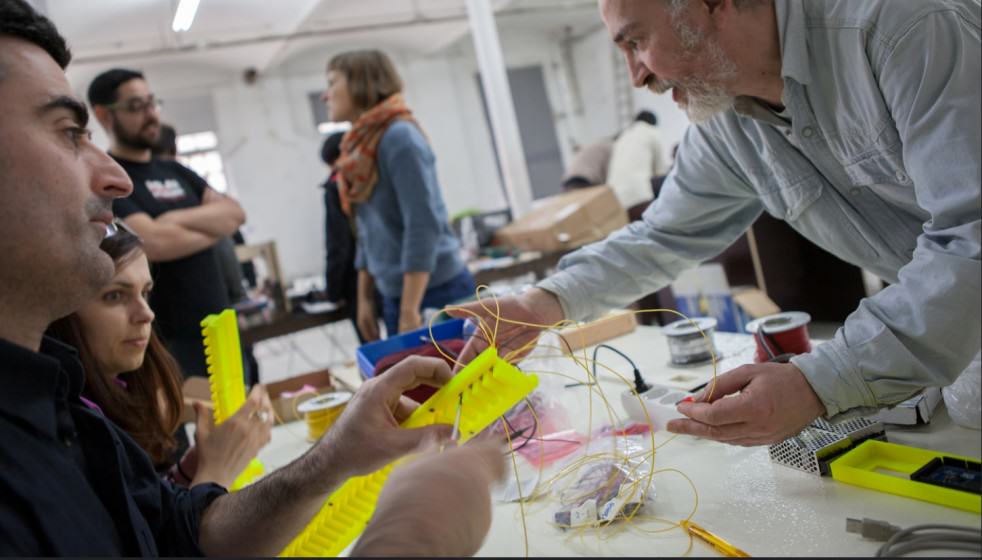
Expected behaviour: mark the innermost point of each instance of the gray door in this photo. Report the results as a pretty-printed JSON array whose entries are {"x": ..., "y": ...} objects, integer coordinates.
[{"x": 537, "y": 128}]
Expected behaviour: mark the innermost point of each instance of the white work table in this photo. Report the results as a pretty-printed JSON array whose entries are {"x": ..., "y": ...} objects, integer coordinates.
[{"x": 761, "y": 507}]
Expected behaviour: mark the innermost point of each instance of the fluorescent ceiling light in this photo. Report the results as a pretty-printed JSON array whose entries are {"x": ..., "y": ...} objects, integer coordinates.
[{"x": 184, "y": 16}]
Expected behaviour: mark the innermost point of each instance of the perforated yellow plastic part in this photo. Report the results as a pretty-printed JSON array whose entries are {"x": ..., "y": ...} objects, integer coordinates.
[
  {"x": 485, "y": 389},
  {"x": 225, "y": 378}
]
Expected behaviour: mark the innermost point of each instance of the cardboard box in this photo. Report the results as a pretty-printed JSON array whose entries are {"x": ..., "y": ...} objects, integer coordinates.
[
  {"x": 915, "y": 410},
  {"x": 198, "y": 389},
  {"x": 754, "y": 302},
  {"x": 603, "y": 329},
  {"x": 566, "y": 221},
  {"x": 284, "y": 399}
]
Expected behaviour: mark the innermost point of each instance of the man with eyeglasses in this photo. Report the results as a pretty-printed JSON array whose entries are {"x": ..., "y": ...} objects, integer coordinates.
[
  {"x": 178, "y": 216},
  {"x": 74, "y": 484}
]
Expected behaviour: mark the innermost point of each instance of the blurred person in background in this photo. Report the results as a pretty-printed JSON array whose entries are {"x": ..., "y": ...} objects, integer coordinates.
[{"x": 387, "y": 182}]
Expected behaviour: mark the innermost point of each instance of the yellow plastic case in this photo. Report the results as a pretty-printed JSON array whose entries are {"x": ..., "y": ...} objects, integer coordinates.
[
  {"x": 225, "y": 378},
  {"x": 485, "y": 390},
  {"x": 859, "y": 466}
]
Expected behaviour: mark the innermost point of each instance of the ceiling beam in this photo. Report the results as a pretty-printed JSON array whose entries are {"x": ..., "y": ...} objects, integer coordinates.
[{"x": 304, "y": 34}]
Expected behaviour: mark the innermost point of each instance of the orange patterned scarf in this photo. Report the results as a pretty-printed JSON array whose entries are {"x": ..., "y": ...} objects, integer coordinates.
[{"x": 356, "y": 168}]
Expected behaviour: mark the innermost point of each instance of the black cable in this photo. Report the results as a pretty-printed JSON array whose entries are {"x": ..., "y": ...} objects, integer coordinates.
[
  {"x": 759, "y": 333},
  {"x": 639, "y": 384}
]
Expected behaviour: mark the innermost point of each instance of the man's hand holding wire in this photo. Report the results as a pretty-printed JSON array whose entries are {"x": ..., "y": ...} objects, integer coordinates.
[
  {"x": 511, "y": 323},
  {"x": 774, "y": 402},
  {"x": 367, "y": 434}
]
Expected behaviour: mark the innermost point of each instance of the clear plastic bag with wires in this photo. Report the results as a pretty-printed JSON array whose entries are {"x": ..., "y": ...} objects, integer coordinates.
[
  {"x": 539, "y": 430},
  {"x": 963, "y": 397},
  {"x": 539, "y": 427},
  {"x": 610, "y": 482}
]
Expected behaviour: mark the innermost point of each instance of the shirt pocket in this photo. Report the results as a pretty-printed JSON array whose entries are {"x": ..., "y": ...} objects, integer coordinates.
[
  {"x": 817, "y": 211},
  {"x": 882, "y": 179}
]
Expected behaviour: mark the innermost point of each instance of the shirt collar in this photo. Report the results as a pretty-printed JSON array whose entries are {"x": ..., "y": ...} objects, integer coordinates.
[
  {"x": 791, "y": 31},
  {"x": 34, "y": 382}
]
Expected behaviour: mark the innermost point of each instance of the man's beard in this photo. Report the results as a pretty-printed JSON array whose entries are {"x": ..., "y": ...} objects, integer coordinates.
[
  {"x": 705, "y": 96},
  {"x": 138, "y": 141}
]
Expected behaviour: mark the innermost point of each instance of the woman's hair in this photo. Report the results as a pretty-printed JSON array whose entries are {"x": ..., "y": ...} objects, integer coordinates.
[
  {"x": 371, "y": 76},
  {"x": 331, "y": 148},
  {"x": 149, "y": 407}
]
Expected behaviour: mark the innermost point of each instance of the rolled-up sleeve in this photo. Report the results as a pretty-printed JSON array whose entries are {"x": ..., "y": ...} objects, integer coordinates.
[
  {"x": 923, "y": 330},
  {"x": 180, "y": 511},
  {"x": 704, "y": 206},
  {"x": 413, "y": 172}
]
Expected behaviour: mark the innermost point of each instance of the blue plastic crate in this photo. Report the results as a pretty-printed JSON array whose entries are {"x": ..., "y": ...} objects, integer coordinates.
[{"x": 370, "y": 354}]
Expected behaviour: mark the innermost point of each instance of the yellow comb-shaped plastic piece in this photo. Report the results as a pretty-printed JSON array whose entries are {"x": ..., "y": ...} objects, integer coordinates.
[
  {"x": 485, "y": 390},
  {"x": 225, "y": 378}
]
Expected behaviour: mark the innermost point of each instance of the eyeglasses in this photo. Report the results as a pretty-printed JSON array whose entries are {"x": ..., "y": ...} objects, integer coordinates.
[
  {"x": 117, "y": 226},
  {"x": 136, "y": 104}
]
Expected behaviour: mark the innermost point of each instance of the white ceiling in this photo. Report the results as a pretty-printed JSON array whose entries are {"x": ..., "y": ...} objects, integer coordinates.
[{"x": 237, "y": 34}]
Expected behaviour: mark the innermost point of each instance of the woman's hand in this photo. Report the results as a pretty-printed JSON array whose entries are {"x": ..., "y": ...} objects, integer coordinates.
[
  {"x": 368, "y": 320},
  {"x": 224, "y": 451}
]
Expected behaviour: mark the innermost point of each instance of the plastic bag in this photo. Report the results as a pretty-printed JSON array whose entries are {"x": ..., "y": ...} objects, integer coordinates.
[
  {"x": 608, "y": 489},
  {"x": 964, "y": 397},
  {"x": 541, "y": 437}
]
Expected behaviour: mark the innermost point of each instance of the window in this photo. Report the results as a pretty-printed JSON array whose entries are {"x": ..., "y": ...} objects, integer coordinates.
[{"x": 199, "y": 151}]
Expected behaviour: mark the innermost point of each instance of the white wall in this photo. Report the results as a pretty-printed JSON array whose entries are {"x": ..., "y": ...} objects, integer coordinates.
[
  {"x": 271, "y": 149},
  {"x": 596, "y": 70}
]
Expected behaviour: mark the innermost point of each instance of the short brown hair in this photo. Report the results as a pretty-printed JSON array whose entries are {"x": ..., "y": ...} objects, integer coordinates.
[{"x": 371, "y": 76}]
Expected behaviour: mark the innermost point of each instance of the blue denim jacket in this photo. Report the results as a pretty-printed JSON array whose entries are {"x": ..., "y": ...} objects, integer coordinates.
[{"x": 879, "y": 165}]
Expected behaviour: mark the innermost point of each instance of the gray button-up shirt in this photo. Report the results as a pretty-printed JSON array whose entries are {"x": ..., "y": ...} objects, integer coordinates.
[{"x": 880, "y": 166}]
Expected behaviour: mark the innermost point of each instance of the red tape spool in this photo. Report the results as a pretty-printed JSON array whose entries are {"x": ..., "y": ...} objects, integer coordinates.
[{"x": 784, "y": 333}]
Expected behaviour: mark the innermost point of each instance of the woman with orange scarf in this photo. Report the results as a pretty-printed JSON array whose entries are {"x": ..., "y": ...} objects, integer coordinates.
[{"x": 387, "y": 181}]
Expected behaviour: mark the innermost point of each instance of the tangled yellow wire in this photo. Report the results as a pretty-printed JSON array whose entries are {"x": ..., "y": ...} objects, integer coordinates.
[{"x": 628, "y": 463}]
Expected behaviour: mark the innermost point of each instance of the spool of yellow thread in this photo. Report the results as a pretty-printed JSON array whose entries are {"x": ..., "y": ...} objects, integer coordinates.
[{"x": 322, "y": 411}]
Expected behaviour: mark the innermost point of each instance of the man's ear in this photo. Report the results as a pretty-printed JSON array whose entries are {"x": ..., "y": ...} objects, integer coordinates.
[{"x": 104, "y": 116}]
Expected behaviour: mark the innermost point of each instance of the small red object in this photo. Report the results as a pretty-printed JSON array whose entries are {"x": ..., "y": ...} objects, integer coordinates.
[
  {"x": 690, "y": 398},
  {"x": 633, "y": 430}
]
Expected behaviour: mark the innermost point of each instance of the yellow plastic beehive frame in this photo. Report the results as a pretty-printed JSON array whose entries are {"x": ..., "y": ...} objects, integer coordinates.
[
  {"x": 225, "y": 378},
  {"x": 485, "y": 390},
  {"x": 859, "y": 467}
]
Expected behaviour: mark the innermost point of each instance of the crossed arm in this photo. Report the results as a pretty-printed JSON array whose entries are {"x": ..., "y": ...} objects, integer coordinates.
[{"x": 180, "y": 233}]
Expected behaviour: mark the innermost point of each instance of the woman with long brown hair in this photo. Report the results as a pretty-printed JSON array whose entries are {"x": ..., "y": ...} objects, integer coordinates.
[
  {"x": 135, "y": 381},
  {"x": 387, "y": 181}
]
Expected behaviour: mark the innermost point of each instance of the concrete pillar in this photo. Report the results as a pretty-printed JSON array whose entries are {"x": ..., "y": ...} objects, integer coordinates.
[{"x": 501, "y": 109}]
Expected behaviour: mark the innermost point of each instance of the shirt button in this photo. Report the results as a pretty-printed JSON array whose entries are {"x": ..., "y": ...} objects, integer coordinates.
[
  {"x": 902, "y": 177},
  {"x": 789, "y": 214},
  {"x": 807, "y": 132},
  {"x": 855, "y": 191}
]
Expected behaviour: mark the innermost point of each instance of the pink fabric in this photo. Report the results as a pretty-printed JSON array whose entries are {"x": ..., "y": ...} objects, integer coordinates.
[{"x": 92, "y": 405}]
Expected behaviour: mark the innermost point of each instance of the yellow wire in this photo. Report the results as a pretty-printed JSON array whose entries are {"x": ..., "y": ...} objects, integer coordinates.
[
  {"x": 615, "y": 457},
  {"x": 518, "y": 485}
]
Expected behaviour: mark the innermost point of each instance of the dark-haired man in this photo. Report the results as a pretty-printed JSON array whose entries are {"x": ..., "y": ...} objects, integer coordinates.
[
  {"x": 179, "y": 217},
  {"x": 72, "y": 483}
]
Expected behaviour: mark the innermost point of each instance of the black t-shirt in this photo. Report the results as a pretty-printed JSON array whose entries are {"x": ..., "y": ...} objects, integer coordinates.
[{"x": 185, "y": 290}]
